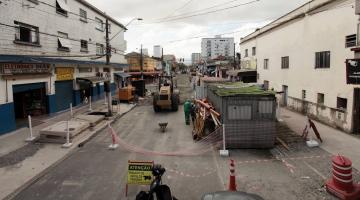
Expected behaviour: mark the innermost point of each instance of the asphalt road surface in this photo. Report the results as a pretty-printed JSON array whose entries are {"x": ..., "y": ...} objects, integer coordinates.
[{"x": 94, "y": 172}]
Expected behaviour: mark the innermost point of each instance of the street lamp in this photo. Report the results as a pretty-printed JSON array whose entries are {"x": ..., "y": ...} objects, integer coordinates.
[{"x": 136, "y": 18}]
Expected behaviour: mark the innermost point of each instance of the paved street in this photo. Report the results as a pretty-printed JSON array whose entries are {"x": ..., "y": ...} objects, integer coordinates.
[{"x": 94, "y": 172}]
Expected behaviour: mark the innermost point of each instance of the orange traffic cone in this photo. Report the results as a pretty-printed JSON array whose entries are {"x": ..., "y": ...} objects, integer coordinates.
[{"x": 232, "y": 182}]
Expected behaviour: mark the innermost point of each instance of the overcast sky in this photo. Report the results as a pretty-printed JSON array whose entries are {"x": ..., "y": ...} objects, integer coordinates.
[{"x": 174, "y": 35}]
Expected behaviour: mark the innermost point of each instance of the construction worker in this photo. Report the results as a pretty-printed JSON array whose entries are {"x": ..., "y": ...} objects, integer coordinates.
[{"x": 187, "y": 107}]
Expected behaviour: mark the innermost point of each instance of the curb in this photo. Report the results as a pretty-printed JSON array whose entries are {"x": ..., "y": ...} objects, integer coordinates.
[{"x": 52, "y": 166}]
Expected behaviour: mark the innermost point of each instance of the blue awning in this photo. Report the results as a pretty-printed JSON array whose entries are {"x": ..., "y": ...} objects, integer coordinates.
[{"x": 39, "y": 59}]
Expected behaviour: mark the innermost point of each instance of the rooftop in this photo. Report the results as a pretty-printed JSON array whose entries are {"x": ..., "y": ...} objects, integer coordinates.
[{"x": 238, "y": 89}]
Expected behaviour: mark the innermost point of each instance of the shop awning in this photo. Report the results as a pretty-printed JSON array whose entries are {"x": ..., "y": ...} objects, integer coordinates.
[
  {"x": 65, "y": 42},
  {"x": 144, "y": 73},
  {"x": 122, "y": 74},
  {"x": 63, "y": 5},
  {"x": 93, "y": 79}
]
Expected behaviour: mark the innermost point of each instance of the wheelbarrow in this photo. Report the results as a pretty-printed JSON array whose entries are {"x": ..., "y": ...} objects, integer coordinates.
[{"x": 162, "y": 126}]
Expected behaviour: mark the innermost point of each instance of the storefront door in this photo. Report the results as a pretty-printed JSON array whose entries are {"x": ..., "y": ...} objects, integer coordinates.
[{"x": 29, "y": 99}]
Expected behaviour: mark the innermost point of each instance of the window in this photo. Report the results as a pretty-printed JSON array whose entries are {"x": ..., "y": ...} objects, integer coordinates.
[
  {"x": 266, "y": 63},
  {"x": 85, "y": 69},
  {"x": 285, "y": 62},
  {"x": 61, "y": 7},
  {"x": 303, "y": 94},
  {"x": 254, "y": 51},
  {"x": 99, "y": 24},
  {"x": 320, "y": 98},
  {"x": 26, "y": 34},
  {"x": 109, "y": 27},
  {"x": 350, "y": 41},
  {"x": 99, "y": 49},
  {"x": 63, "y": 42},
  {"x": 246, "y": 53},
  {"x": 322, "y": 59},
  {"x": 84, "y": 46},
  {"x": 341, "y": 103},
  {"x": 83, "y": 15}
]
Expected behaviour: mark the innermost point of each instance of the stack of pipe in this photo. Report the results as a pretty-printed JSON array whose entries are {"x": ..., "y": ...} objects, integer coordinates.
[{"x": 204, "y": 112}]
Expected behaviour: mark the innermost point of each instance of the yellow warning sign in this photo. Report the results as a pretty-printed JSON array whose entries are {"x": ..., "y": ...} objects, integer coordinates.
[{"x": 140, "y": 173}]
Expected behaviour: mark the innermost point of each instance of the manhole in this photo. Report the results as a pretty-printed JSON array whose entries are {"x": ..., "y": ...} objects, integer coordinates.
[{"x": 70, "y": 129}]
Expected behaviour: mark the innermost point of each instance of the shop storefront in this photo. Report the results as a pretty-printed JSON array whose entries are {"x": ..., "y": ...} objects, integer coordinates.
[
  {"x": 90, "y": 86},
  {"x": 26, "y": 92},
  {"x": 64, "y": 87},
  {"x": 29, "y": 99}
]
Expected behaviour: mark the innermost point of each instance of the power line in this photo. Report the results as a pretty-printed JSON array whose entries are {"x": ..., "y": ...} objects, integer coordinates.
[
  {"x": 205, "y": 13},
  {"x": 183, "y": 6},
  {"x": 195, "y": 11}
]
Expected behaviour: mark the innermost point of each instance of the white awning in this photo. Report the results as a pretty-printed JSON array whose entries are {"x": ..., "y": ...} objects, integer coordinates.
[
  {"x": 65, "y": 42},
  {"x": 63, "y": 5}
]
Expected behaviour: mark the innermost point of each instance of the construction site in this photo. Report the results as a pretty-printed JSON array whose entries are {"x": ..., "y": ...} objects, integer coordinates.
[{"x": 235, "y": 138}]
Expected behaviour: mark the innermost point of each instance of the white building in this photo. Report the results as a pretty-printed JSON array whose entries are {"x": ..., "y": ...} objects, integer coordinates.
[
  {"x": 212, "y": 48},
  {"x": 303, "y": 54},
  {"x": 195, "y": 58},
  {"x": 157, "y": 51},
  {"x": 52, "y": 54}
]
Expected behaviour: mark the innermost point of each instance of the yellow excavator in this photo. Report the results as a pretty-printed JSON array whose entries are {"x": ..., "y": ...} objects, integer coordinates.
[{"x": 167, "y": 97}]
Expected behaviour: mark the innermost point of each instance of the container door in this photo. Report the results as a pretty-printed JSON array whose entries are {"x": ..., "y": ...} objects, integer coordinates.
[{"x": 356, "y": 111}]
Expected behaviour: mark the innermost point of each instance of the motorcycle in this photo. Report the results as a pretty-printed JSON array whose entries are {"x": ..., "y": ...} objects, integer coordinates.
[{"x": 161, "y": 191}]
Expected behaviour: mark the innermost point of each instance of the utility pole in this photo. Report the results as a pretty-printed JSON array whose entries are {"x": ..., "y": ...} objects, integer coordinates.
[
  {"x": 108, "y": 55},
  {"x": 234, "y": 56},
  {"x": 141, "y": 62}
]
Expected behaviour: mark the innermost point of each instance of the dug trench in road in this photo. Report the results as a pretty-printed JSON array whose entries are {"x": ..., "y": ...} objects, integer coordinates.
[{"x": 94, "y": 172}]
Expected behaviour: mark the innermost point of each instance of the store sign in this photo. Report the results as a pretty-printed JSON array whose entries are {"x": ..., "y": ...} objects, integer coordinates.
[
  {"x": 353, "y": 71},
  {"x": 64, "y": 73},
  {"x": 140, "y": 173},
  {"x": 23, "y": 68}
]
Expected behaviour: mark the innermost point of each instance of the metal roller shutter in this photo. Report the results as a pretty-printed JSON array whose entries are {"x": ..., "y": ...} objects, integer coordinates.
[{"x": 64, "y": 94}]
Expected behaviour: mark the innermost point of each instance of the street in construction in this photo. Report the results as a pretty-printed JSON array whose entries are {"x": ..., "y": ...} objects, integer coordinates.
[{"x": 93, "y": 171}]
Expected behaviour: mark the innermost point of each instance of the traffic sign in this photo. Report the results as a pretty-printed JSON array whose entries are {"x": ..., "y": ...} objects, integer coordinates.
[{"x": 140, "y": 172}]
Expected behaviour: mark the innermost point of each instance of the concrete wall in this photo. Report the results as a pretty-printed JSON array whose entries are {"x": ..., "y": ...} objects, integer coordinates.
[
  {"x": 49, "y": 21},
  {"x": 323, "y": 29}
]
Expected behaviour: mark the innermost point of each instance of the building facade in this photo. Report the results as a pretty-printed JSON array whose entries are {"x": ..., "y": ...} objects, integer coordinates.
[
  {"x": 51, "y": 55},
  {"x": 195, "y": 58},
  {"x": 212, "y": 48},
  {"x": 157, "y": 51},
  {"x": 303, "y": 54},
  {"x": 134, "y": 61}
]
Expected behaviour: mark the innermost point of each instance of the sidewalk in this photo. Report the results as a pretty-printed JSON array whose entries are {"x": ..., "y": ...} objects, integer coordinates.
[
  {"x": 37, "y": 158},
  {"x": 334, "y": 141}
]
